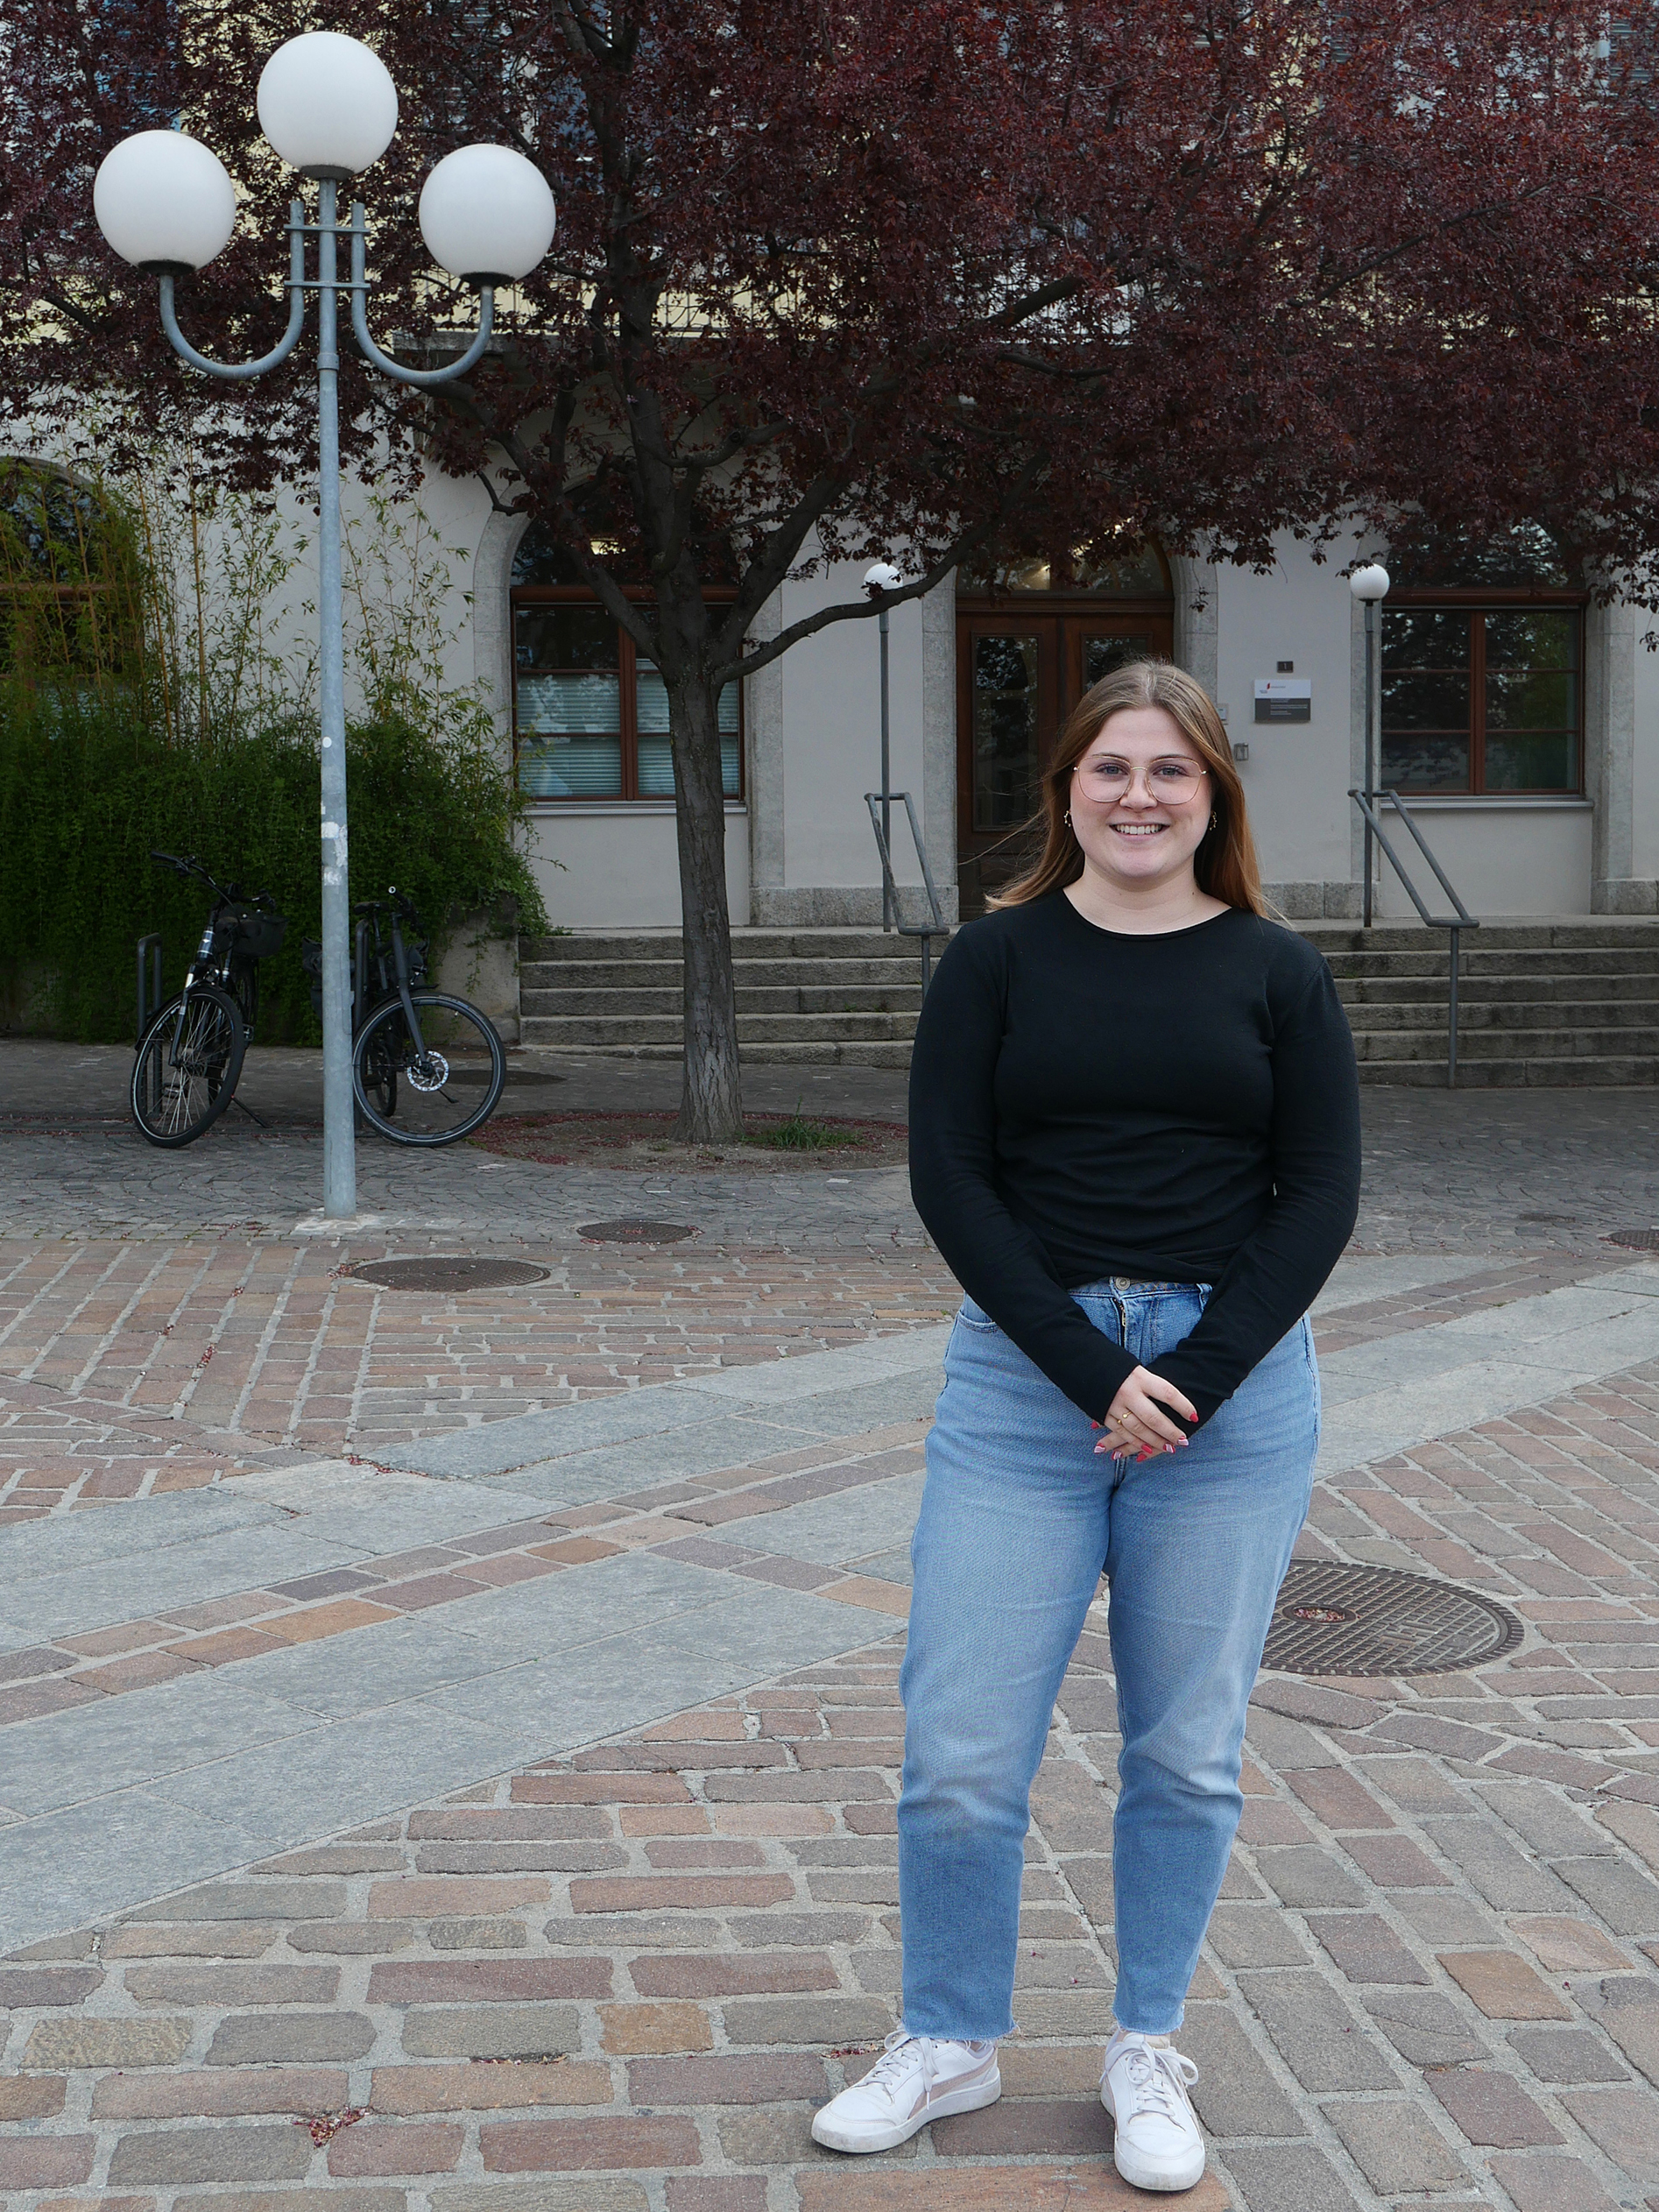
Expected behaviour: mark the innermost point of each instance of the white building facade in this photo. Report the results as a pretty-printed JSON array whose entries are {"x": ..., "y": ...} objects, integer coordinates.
[{"x": 1520, "y": 717}]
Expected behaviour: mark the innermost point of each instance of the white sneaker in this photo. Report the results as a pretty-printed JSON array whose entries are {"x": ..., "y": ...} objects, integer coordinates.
[
  {"x": 916, "y": 2080},
  {"x": 1143, "y": 2084}
]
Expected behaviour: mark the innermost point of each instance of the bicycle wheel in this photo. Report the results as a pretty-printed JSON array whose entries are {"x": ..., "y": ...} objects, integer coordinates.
[
  {"x": 188, "y": 1061},
  {"x": 437, "y": 1097}
]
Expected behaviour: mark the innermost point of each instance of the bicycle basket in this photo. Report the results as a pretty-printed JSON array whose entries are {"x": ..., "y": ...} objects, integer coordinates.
[{"x": 256, "y": 935}]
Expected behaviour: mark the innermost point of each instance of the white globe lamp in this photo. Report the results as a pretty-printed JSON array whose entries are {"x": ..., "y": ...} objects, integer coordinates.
[
  {"x": 486, "y": 215},
  {"x": 164, "y": 202},
  {"x": 327, "y": 104},
  {"x": 883, "y": 578},
  {"x": 1369, "y": 583}
]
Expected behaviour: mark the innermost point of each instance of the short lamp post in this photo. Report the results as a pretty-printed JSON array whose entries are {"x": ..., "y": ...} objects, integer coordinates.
[
  {"x": 1370, "y": 585},
  {"x": 878, "y": 582},
  {"x": 165, "y": 204}
]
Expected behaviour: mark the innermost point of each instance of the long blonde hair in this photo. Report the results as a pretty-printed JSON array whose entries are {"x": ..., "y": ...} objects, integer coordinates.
[{"x": 1225, "y": 864}]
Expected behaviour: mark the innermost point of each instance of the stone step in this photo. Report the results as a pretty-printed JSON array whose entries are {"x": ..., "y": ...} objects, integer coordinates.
[
  {"x": 1505, "y": 1044},
  {"x": 1604, "y": 1072},
  {"x": 1495, "y": 960},
  {"x": 1528, "y": 1015},
  {"x": 826, "y": 1053},
  {"x": 756, "y": 944},
  {"x": 840, "y": 998},
  {"x": 556, "y": 1031},
  {"x": 668, "y": 975},
  {"x": 1357, "y": 992}
]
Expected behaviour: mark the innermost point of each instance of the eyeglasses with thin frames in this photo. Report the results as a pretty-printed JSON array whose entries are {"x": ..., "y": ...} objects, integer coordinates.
[{"x": 1172, "y": 783}]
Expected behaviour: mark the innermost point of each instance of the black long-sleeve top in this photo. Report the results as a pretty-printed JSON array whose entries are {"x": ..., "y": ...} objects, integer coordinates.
[{"x": 1178, "y": 1108}]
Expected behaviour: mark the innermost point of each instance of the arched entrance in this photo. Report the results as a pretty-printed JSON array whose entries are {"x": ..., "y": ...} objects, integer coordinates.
[{"x": 1032, "y": 636}]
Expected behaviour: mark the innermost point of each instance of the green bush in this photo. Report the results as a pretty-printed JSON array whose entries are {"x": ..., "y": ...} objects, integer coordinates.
[{"x": 86, "y": 790}]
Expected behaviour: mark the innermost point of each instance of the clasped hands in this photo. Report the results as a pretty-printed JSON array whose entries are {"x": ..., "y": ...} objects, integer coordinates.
[{"x": 1136, "y": 1422}]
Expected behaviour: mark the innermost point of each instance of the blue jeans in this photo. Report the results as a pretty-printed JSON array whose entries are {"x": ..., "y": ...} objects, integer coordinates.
[{"x": 1018, "y": 1516}]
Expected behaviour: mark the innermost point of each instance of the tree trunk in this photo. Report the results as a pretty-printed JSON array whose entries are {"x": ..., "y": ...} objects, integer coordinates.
[{"x": 711, "y": 1098}]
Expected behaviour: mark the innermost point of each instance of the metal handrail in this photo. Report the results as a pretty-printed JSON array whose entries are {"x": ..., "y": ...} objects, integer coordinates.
[
  {"x": 937, "y": 926},
  {"x": 1463, "y": 920}
]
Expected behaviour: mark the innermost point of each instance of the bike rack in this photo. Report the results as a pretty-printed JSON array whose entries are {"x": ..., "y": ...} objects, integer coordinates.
[
  {"x": 937, "y": 926},
  {"x": 1464, "y": 919},
  {"x": 150, "y": 1000}
]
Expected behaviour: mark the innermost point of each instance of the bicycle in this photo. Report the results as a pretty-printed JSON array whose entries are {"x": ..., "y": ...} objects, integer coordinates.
[
  {"x": 426, "y": 1068},
  {"x": 189, "y": 1056}
]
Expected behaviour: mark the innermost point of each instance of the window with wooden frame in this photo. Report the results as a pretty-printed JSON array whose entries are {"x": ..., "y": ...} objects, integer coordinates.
[
  {"x": 589, "y": 712},
  {"x": 1483, "y": 678}
]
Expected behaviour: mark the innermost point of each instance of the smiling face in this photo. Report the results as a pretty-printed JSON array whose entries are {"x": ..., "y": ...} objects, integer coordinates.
[{"x": 1140, "y": 801}]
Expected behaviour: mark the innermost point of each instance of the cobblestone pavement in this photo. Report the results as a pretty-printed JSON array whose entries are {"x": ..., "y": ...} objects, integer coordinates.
[{"x": 449, "y": 1748}]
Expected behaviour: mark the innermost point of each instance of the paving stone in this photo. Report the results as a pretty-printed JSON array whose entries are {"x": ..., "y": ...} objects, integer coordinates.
[
  {"x": 987, "y": 2189},
  {"x": 632, "y": 2028},
  {"x": 201, "y": 1940},
  {"x": 772, "y": 2077},
  {"x": 243, "y": 2092},
  {"x": 1504, "y": 1986},
  {"x": 490, "y": 2030},
  {"x": 22, "y": 1988},
  {"x": 597, "y": 2142},
  {"x": 1552, "y": 1827},
  {"x": 667, "y": 1930},
  {"x": 1395, "y": 1862},
  {"x": 1492, "y": 2109},
  {"x": 30, "y": 2096},
  {"x": 1500, "y": 1873},
  {"x": 602, "y": 2192},
  {"x": 1288, "y": 2177},
  {"x": 1544, "y": 2182},
  {"x": 251, "y": 1901},
  {"x": 254, "y": 2038},
  {"x": 45, "y": 2162},
  {"x": 385, "y": 2147},
  {"x": 477, "y": 1935},
  {"x": 1622, "y": 2123},
  {"x": 1338, "y": 1800},
  {"x": 1414, "y": 1785},
  {"x": 1286, "y": 1745},
  {"x": 1236, "y": 2094},
  {"x": 73, "y": 2044},
  {"x": 796, "y": 2021},
  {"x": 1247, "y": 1935},
  {"x": 481, "y": 2089},
  {"x": 1626, "y": 1900},
  {"x": 721, "y": 1973},
  {"x": 1424, "y": 2027},
  {"x": 1309, "y": 1876},
  {"x": 218, "y": 1985},
  {"x": 1321, "y": 2042},
  {"x": 487, "y": 1980},
  {"x": 1628, "y": 2007},
  {"x": 1567, "y": 1946},
  {"x": 1570, "y": 2055},
  {"x": 1365, "y": 1948},
  {"x": 175, "y": 2155},
  {"x": 1442, "y": 1917},
  {"x": 1396, "y": 2148},
  {"x": 773, "y": 2135}
]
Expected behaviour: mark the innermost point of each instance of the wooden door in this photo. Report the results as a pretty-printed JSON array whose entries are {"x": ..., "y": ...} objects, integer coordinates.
[{"x": 1019, "y": 672}]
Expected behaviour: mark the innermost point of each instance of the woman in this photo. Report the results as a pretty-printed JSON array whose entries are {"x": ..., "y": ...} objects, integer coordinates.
[{"x": 1135, "y": 1138}]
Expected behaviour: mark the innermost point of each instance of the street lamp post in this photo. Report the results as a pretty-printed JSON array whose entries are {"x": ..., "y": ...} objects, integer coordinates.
[
  {"x": 879, "y": 581},
  {"x": 1369, "y": 585},
  {"x": 167, "y": 204}
]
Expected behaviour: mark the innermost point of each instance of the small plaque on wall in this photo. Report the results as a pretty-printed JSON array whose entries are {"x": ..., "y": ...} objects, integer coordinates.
[{"x": 1284, "y": 699}]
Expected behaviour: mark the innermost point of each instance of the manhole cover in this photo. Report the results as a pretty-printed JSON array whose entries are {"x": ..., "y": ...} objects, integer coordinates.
[
  {"x": 634, "y": 1232},
  {"x": 436, "y": 1273},
  {"x": 1634, "y": 1239},
  {"x": 1341, "y": 1620}
]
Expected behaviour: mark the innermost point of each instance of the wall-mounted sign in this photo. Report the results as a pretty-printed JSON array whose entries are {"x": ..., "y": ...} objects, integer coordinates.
[{"x": 1284, "y": 699}]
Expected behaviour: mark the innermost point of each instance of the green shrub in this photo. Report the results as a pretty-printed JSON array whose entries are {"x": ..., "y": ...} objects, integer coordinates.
[{"x": 86, "y": 790}]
